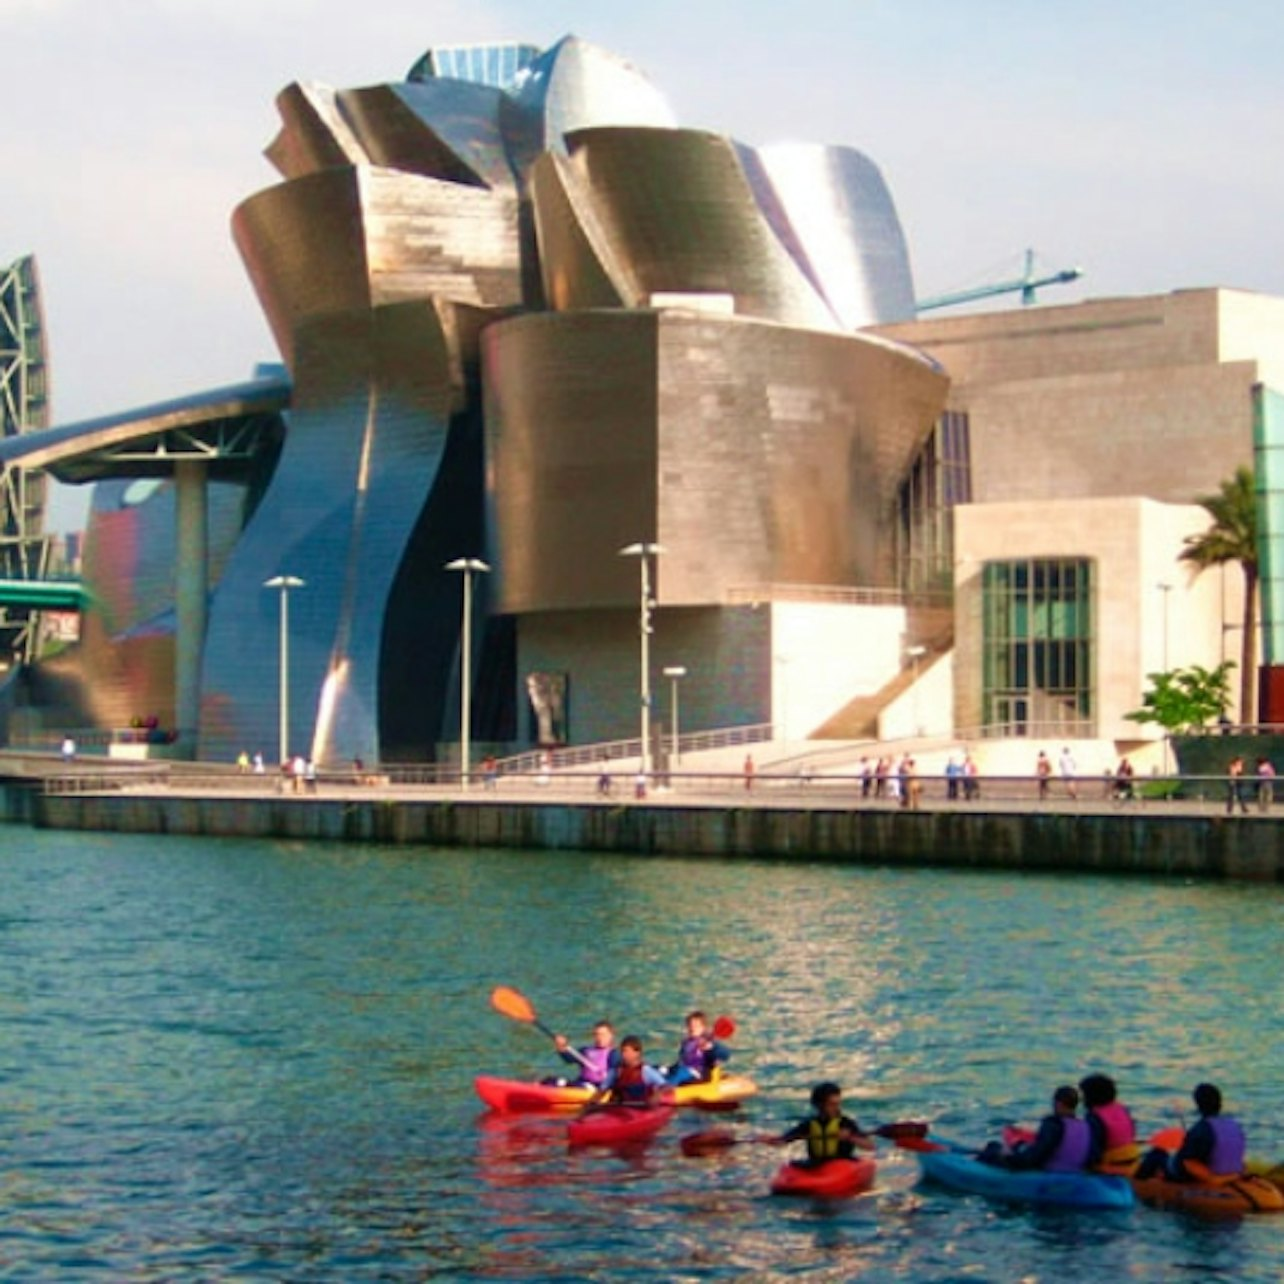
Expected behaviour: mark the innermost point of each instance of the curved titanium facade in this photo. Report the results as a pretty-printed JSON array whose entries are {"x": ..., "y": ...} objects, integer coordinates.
[
  {"x": 439, "y": 409},
  {"x": 754, "y": 453}
]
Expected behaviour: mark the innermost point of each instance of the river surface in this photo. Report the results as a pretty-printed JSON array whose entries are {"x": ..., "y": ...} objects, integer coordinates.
[{"x": 251, "y": 1060}]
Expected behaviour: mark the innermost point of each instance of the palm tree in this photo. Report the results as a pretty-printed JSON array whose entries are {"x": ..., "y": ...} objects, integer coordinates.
[{"x": 1232, "y": 537}]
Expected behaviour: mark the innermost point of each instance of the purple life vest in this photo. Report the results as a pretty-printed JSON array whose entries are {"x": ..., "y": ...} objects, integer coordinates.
[
  {"x": 597, "y": 1064},
  {"x": 691, "y": 1055},
  {"x": 1228, "y": 1145},
  {"x": 1071, "y": 1156}
]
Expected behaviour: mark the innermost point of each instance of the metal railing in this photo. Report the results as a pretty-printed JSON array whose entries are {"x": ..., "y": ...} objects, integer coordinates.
[{"x": 752, "y": 594}]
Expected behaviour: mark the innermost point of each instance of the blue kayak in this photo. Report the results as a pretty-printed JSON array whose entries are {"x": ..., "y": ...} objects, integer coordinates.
[{"x": 961, "y": 1170}]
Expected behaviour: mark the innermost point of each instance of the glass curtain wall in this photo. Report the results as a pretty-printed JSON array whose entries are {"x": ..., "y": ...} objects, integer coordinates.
[
  {"x": 1039, "y": 647},
  {"x": 939, "y": 478}
]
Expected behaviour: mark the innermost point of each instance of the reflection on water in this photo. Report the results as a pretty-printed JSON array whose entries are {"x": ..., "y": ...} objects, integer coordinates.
[{"x": 223, "y": 1059}]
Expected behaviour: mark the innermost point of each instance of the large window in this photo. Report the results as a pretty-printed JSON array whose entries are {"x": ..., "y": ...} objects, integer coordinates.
[{"x": 1038, "y": 658}]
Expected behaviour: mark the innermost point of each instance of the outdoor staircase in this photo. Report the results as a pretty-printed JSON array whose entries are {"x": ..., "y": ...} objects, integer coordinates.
[{"x": 929, "y": 627}]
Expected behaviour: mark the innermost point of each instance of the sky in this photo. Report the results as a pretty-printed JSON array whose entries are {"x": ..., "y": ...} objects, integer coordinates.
[{"x": 1138, "y": 139}]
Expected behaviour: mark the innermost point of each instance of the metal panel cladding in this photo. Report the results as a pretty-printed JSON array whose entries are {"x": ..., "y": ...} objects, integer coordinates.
[
  {"x": 843, "y": 216},
  {"x": 754, "y": 453},
  {"x": 367, "y": 435},
  {"x": 675, "y": 211},
  {"x": 350, "y": 238}
]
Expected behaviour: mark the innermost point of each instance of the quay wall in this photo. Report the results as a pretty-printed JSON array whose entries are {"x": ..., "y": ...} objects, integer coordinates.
[{"x": 1128, "y": 842}]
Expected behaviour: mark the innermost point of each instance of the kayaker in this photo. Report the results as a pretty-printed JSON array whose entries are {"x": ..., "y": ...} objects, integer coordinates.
[
  {"x": 699, "y": 1053},
  {"x": 828, "y": 1132},
  {"x": 631, "y": 1081},
  {"x": 1063, "y": 1143},
  {"x": 1114, "y": 1135},
  {"x": 1213, "y": 1146},
  {"x": 595, "y": 1060}
]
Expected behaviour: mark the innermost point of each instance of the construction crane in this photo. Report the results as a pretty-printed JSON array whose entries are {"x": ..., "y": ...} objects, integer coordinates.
[{"x": 1027, "y": 283}]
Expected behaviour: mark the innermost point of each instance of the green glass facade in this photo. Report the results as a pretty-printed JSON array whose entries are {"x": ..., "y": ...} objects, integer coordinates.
[
  {"x": 1039, "y": 647},
  {"x": 1268, "y": 443}
]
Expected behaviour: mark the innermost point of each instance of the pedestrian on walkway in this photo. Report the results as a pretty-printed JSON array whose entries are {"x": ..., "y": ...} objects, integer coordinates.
[
  {"x": 1265, "y": 784},
  {"x": 1235, "y": 787},
  {"x": 1068, "y": 769}
]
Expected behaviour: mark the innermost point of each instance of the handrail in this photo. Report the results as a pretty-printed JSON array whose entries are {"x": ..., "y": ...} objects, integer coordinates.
[{"x": 609, "y": 750}]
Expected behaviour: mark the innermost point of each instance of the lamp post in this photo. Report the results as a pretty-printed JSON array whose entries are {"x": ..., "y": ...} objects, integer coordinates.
[
  {"x": 469, "y": 566},
  {"x": 644, "y": 553},
  {"x": 284, "y": 583},
  {"x": 675, "y": 673},
  {"x": 916, "y": 653},
  {"x": 783, "y": 661}
]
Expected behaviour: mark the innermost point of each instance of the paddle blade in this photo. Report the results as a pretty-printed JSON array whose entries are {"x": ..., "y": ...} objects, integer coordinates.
[
  {"x": 724, "y": 1027},
  {"x": 708, "y": 1143},
  {"x": 1169, "y": 1138},
  {"x": 512, "y": 1003},
  {"x": 902, "y": 1130}
]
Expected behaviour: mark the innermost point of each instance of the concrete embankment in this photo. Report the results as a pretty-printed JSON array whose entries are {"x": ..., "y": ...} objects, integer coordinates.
[{"x": 1142, "y": 840}]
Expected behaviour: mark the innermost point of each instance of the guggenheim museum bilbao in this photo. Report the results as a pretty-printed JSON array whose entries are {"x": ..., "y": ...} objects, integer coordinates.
[{"x": 524, "y": 317}]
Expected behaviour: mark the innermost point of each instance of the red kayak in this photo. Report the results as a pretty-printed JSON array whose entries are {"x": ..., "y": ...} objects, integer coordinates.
[
  {"x": 618, "y": 1125},
  {"x": 833, "y": 1179},
  {"x": 515, "y": 1097}
]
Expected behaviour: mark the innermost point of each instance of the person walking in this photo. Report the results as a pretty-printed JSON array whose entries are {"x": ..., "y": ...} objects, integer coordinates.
[
  {"x": 1043, "y": 771},
  {"x": 1235, "y": 787},
  {"x": 1068, "y": 769},
  {"x": 1265, "y": 784}
]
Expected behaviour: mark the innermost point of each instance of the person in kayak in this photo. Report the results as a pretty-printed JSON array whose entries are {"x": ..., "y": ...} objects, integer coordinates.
[
  {"x": 699, "y": 1053},
  {"x": 631, "y": 1081},
  {"x": 828, "y": 1132},
  {"x": 1063, "y": 1143},
  {"x": 1114, "y": 1135},
  {"x": 595, "y": 1060},
  {"x": 1212, "y": 1147}
]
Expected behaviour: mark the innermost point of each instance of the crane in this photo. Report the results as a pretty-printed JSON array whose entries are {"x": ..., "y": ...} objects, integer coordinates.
[{"x": 1028, "y": 282}]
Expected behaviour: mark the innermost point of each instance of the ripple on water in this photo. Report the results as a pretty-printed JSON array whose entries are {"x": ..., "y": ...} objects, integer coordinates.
[{"x": 238, "y": 1060}]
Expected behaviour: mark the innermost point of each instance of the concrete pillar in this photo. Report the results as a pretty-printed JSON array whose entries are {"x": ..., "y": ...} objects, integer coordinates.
[{"x": 191, "y": 596}]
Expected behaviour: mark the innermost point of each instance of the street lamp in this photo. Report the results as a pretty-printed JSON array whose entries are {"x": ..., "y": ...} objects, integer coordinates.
[
  {"x": 285, "y": 583},
  {"x": 1165, "y": 589},
  {"x": 916, "y": 653},
  {"x": 644, "y": 553},
  {"x": 470, "y": 566},
  {"x": 675, "y": 673}
]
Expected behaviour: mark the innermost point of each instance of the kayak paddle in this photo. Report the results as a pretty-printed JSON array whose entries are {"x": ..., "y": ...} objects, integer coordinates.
[
  {"x": 715, "y": 1139},
  {"x": 515, "y": 1005}
]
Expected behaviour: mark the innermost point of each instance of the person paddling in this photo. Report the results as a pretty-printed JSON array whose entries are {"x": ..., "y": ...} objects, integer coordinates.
[
  {"x": 828, "y": 1132},
  {"x": 1114, "y": 1135},
  {"x": 595, "y": 1060},
  {"x": 1063, "y": 1143},
  {"x": 1212, "y": 1147},
  {"x": 631, "y": 1082},
  {"x": 699, "y": 1054}
]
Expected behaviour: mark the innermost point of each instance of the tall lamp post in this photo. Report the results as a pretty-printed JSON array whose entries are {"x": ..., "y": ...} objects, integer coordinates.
[
  {"x": 284, "y": 583},
  {"x": 469, "y": 566},
  {"x": 644, "y": 553},
  {"x": 675, "y": 673}
]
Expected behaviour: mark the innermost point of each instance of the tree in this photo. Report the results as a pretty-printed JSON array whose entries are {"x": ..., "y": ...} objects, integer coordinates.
[
  {"x": 1232, "y": 537},
  {"x": 1185, "y": 698}
]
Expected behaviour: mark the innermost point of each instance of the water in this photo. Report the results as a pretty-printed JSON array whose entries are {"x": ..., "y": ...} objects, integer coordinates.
[{"x": 252, "y": 1060}]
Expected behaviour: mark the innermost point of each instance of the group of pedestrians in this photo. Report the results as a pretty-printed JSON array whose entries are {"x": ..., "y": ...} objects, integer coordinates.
[{"x": 1239, "y": 787}]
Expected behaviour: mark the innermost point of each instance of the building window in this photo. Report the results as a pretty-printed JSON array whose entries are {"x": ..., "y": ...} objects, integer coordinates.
[
  {"x": 939, "y": 478},
  {"x": 1038, "y": 647}
]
